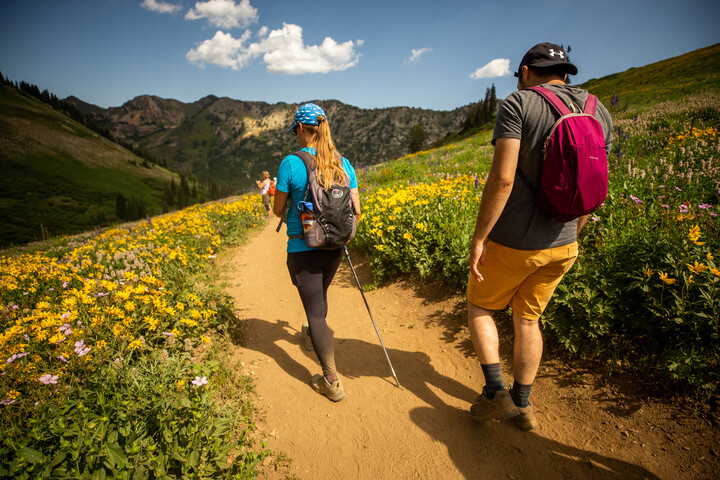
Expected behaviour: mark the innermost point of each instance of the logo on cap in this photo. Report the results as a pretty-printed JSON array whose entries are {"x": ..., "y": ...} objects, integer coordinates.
[{"x": 553, "y": 53}]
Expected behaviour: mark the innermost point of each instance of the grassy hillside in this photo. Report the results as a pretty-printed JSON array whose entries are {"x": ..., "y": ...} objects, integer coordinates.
[
  {"x": 644, "y": 295},
  {"x": 59, "y": 177},
  {"x": 669, "y": 79}
]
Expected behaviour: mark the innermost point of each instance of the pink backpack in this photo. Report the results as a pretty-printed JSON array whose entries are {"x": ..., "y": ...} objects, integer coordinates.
[{"x": 574, "y": 180}]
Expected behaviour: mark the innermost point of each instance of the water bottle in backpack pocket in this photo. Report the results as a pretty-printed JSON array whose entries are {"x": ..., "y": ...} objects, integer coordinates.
[{"x": 331, "y": 223}]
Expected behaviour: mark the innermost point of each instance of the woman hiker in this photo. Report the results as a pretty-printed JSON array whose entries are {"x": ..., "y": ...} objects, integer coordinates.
[
  {"x": 264, "y": 187},
  {"x": 312, "y": 269}
]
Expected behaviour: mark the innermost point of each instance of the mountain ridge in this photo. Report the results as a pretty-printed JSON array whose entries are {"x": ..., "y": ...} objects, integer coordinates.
[{"x": 224, "y": 139}]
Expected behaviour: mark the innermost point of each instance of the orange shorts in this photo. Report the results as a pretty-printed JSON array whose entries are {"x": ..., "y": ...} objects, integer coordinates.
[{"x": 523, "y": 279}]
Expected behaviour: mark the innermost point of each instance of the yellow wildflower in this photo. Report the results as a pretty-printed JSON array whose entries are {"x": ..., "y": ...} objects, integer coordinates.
[
  {"x": 697, "y": 268},
  {"x": 715, "y": 271},
  {"x": 421, "y": 226},
  {"x": 664, "y": 277},
  {"x": 118, "y": 329},
  {"x": 709, "y": 256},
  {"x": 649, "y": 272},
  {"x": 690, "y": 279},
  {"x": 694, "y": 235},
  {"x": 408, "y": 236}
]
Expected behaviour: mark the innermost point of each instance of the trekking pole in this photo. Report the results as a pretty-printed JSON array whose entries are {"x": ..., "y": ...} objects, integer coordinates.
[{"x": 347, "y": 254}]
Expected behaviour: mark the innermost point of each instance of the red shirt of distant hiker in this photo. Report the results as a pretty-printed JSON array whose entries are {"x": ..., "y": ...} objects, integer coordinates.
[{"x": 520, "y": 253}]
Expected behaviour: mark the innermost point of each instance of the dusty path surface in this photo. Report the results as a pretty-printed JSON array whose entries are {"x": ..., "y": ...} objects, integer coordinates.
[{"x": 592, "y": 426}]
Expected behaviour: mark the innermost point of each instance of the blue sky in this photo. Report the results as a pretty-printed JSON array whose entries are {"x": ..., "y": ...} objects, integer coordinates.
[{"x": 429, "y": 54}]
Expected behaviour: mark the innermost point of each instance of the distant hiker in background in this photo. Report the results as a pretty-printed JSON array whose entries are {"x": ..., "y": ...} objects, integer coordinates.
[
  {"x": 520, "y": 251},
  {"x": 312, "y": 269},
  {"x": 264, "y": 186}
]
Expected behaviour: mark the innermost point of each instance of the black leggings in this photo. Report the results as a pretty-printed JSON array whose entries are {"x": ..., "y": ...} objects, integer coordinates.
[{"x": 312, "y": 272}]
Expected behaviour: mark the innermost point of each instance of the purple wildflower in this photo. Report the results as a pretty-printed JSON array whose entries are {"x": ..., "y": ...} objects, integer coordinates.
[
  {"x": 47, "y": 379},
  {"x": 704, "y": 206},
  {"x": 81, "y": 349},
  {"x": 665, "y": 206},
  {"x": 7, "y": 401},
  {"x": 199, "y": 382},
  {"x": 16, "y": 356}
]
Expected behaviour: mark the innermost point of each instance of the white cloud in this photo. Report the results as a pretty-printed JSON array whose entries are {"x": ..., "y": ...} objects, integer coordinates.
[
  {"x": 283, "y": 51},
  {"x": 222, "y": 50},
  {"x": 160, "y": 7},
  {"x": 415, "y": 55},
  {"x": 224, "y": 13},
  {"x": 500, "y": 67}
]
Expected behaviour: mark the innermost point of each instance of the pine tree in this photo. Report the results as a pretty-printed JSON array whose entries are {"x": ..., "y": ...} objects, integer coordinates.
[
  {"x": 120, "y": 206},
  {"x": 168, "y": 197},
  {"x": 416, "y": 138},
  {"x": 184, "y": 187},
  {"x": 182, "y": 198}
]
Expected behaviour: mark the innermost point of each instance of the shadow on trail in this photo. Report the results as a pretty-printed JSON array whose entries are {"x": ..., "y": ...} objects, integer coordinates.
[
  {"x": 500, "y": 450},
  {"x": 357, "y": 358},
  {"x": 487, "y": 450}
]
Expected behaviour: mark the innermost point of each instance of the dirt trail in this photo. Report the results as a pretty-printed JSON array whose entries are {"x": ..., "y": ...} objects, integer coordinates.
[{"x": 591, "y": 426}]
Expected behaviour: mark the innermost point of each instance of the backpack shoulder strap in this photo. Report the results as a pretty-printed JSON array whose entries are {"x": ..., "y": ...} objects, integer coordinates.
[
  {"x": 590, "y": 104},
  {"x": 552, "y": 99},
  {"x": 307, "y": 159}
]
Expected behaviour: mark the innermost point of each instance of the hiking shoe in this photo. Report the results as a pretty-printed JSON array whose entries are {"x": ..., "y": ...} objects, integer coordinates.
[
  {"x": 526, "y": 419},
  {"x": 334, "y": 391},
  {"x": 306, "y": 337},
  {"x": 497, "y": 408}
]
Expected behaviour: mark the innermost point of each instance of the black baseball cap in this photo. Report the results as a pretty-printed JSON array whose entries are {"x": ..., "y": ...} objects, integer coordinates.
[{"x": 545, "y": 55}]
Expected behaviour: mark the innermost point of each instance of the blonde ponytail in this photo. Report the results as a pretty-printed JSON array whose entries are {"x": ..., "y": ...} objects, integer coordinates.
[{"x": 329, "y": 167}]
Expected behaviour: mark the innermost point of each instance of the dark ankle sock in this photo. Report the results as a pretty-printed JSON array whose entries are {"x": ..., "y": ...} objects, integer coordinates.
[
  {"x": 331, "y": 378},
  {"x": 493, "y": 378},
  {"x": 520, "y": 394}
]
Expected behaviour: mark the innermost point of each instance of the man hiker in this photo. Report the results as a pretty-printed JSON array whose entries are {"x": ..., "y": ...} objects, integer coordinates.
[{"x": 520, "y": 252}]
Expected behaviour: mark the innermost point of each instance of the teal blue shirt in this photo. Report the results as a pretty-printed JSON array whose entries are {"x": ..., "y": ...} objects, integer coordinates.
[{"x": 292, "y": 178}]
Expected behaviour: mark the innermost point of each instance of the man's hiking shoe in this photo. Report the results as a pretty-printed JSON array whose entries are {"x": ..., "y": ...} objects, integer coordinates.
[
  {"x": 334, "y": 391},
  {"x": 306, "y": 337},
  {"x": 526, "y": 420},
  {"x": 497, "y": 408}
]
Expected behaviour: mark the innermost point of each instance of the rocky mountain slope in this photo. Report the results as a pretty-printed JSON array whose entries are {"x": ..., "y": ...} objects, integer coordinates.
[{"x": 226, "y": 140}]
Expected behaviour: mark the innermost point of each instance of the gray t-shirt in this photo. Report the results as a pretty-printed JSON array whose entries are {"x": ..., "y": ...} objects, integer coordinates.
[{"x": 527, "y": 116}]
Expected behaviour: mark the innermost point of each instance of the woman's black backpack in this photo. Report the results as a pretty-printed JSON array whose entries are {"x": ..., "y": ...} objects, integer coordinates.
[{"x": 334, "y": 215}]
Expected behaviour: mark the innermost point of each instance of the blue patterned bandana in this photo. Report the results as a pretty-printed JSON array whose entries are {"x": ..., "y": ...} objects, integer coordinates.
[{"x": 307, "y": 115}]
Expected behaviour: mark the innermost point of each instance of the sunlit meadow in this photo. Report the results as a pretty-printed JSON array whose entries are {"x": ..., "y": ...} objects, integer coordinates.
[
  {"x": 645, "y": 291},
  {"x": 106, "y": 348}
]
